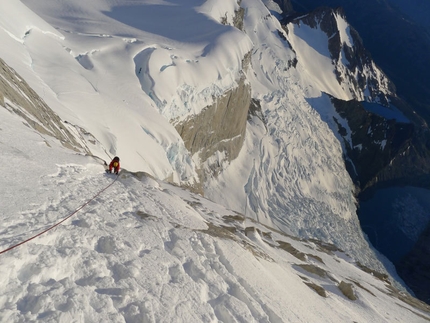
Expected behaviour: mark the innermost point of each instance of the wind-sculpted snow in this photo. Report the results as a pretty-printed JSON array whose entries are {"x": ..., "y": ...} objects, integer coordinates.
[
  {"x": 113, "y": 79},
  {"x": 207, "y": 59}
]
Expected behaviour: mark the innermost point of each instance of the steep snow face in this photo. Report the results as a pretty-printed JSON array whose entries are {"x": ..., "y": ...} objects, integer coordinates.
[
  {"x": 311, "y": 47},
  {"x": 195, "y": 64},
  {"x": 345, "y": 31},
  {"x": 17, "y": 97},
  {"x": 146, "y": 251},
  {"x": 131, "y": 257}
]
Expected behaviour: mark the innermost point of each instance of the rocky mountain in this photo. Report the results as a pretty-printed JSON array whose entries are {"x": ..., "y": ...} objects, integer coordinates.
[
  {"x": 220, "y": 128},
  {"x": 396, "y": 40},
  {"x": 384, "y": 146},
  {"x": 19, "y": 98}
]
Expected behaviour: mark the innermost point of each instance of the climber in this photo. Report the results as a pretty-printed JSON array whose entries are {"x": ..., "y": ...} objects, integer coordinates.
[{"x": 114, "y": 164}]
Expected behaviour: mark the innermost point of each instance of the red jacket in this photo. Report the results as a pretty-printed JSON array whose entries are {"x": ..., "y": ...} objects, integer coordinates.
[{"x": 115, "y": 165}]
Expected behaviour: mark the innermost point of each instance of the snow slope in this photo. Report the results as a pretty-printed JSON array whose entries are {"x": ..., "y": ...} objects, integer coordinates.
[
  {"x": 146, "y": 251},
  {"x": 126, "y": 70}
]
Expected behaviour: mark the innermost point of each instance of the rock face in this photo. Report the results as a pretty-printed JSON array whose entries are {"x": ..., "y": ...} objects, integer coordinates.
[
  {"x": 219, "y": 128},
  {"x": 386, "y": 154},
  {"x": 379, "y": 146},
  {"x": 17, "y": 97},
  {"x": 2, "y": 99}
]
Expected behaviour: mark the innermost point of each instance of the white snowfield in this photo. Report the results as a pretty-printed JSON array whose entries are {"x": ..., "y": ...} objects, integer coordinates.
[{"x": 144, "y": 251}]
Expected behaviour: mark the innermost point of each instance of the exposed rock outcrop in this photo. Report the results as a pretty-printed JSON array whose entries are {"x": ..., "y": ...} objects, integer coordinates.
[
  {"x": 238, "y": 18},
  {"x": 384, "y": 152},
  {"x": 19, "y": 98},
  {"x": 376, "y": 143},
  {"x": 347, "y": 290},
  {"x": 219, "y": 128}
]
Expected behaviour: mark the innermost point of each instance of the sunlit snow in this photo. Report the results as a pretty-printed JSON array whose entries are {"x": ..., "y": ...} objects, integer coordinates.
[{"x": 146, "y": 251}]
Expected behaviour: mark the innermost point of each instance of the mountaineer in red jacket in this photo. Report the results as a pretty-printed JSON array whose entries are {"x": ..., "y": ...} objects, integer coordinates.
[{"x": 114, "y": 164}]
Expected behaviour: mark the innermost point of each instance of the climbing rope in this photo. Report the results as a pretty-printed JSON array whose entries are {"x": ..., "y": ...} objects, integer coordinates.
[{"x": 58, "y": 223}]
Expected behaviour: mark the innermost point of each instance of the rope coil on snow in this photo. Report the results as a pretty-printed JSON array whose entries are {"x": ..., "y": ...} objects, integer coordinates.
[{"x": 58, "y": 223}]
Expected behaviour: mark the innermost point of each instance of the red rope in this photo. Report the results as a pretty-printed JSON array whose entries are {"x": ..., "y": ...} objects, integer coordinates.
[{"x": 57, "y": 224}]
